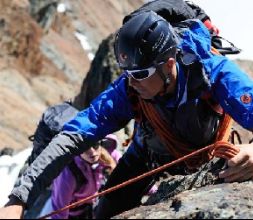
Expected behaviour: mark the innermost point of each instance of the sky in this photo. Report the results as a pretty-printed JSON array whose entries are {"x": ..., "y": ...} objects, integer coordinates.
[{"x": 234, "y": 18}]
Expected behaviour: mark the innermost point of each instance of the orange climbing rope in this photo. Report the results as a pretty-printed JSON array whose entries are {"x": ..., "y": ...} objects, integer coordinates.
[
  {"x": 176, "y": 146},
  {"x": 220, "y": 149}
]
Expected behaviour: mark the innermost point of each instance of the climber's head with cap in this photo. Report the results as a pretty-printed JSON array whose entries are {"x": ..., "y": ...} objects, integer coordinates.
[{"x": 146, "y": 47}]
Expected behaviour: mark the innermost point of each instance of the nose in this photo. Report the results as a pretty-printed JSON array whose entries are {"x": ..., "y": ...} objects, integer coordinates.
[
  {"x": 94, "y": 149},
  {"x": 91, "y": 150}
]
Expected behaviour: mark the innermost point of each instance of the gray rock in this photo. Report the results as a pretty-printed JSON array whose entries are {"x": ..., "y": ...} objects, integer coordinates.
[
  {"x": 104, "y": 69},
  {"x": 199, "y": 195},
  {"x": 44, "y": 12}
]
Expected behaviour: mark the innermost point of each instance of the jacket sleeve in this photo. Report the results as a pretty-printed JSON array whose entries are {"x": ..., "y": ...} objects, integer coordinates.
[
  {"x": 62, "y": 193},
  {"x": 47, "y": 166},
  {"x": 108, "y": 113},
  {"x": 233, "y": 89},
  {"x": 173, "y": 11}
]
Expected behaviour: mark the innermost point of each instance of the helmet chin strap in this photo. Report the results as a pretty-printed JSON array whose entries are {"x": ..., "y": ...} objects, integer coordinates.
[{"x": 166, "y": 79}]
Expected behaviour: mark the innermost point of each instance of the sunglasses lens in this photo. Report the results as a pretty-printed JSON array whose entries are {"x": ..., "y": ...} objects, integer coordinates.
[
  {"x": 96, "y": 146},
  {"x": 104, "y": 143},
  {"x": 140, "y": 74}
]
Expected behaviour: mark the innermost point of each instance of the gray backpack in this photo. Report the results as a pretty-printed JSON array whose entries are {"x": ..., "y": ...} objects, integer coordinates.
[{"x": 51, "y": 123}]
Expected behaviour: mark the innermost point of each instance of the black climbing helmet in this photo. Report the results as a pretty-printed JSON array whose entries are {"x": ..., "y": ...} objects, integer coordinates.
[{"x": 144, "y": 41}]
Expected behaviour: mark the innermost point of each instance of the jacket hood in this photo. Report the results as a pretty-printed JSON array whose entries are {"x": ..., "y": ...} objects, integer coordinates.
[
  {"x": 195, "y": 42},
  {"x": 115, "y": 140}
]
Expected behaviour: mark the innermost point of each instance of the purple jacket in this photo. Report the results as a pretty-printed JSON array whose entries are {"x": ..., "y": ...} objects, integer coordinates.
[{"x": 63, "y": 191}]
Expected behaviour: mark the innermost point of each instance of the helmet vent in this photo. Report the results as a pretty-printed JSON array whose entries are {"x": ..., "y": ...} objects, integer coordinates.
[
  {"x": 149, "y": 31},
  {"x": 153, "y": 26}
]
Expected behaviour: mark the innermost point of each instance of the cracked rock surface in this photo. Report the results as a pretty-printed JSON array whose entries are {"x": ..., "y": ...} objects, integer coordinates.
[{"x": 199, "y": 195}]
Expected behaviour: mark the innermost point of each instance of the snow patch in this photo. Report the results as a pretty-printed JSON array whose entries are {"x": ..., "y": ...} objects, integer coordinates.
[
  {"x": 9, "y": 170},
  {"x": 85, "y": 45},
  {"x": 61, "y": 8}
]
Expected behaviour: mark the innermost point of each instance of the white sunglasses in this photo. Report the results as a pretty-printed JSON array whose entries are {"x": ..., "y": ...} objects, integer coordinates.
[{"x": 141, "y": 74}]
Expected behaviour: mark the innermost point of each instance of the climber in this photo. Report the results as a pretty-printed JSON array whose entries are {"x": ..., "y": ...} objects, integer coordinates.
[{"x": 172, "y": 85}]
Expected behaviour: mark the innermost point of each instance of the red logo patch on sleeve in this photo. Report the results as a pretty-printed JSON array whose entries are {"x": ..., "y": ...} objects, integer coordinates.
[{"x": 246, "y": 98}]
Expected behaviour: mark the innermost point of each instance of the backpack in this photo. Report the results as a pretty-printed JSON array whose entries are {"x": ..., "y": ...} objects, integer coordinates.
[
  {"x": 176, "y": 11},
  {"x": 50, "y": 124}
]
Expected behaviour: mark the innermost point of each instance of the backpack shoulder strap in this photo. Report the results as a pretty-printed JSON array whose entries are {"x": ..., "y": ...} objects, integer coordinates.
[{"x": 77, "y": 173}]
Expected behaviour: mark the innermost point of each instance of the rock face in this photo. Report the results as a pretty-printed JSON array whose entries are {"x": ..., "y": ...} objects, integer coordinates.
[
  {"x": 201, "y": 195},
  {"x": 103, "y": 70},
  {"x": 224, "y": 201},
  {"x": 42, "y": 61}
]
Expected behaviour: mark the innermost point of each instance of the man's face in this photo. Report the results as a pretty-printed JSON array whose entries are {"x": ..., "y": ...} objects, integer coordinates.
[{"x": 150, "y": 86}]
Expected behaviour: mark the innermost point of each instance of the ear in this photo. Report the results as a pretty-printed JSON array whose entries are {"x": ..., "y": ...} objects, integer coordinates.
[{"x": 170, "y": 63}]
